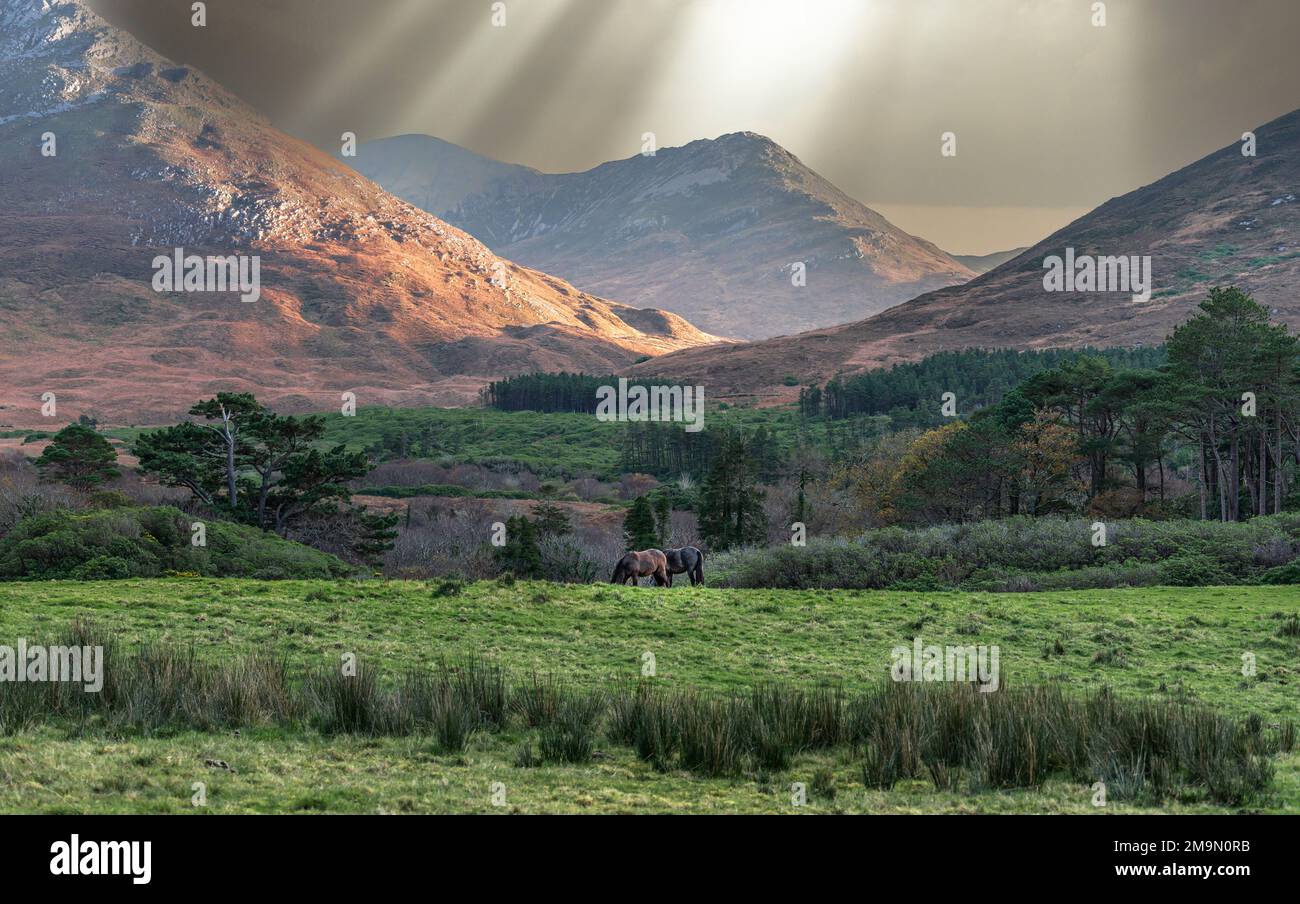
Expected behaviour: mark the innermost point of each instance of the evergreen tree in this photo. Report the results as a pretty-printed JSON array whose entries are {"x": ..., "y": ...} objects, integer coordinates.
[
  {"x": 731, "y": 504},
  {"x": 639, "y": 526},
  {"x": 1226, "y": 350},
  {"x": 551, "y": 520},
  {"x": 376, "y": 533},
  {"x": 663, "y": 510},
  {"x": 78, "y": 456},
  {"x": 520, "y": 555},
  {"x": 268, "y": 468}
]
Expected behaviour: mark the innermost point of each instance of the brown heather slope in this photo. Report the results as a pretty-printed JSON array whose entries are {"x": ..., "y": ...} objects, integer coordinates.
[
  {"x": 361, "y": 292},
  {"x": 1224, "y": 220}
]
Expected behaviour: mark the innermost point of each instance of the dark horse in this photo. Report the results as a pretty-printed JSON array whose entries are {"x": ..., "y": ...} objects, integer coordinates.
[
  {"x": 686, "y": 559},
  {"x": 636, "y": 565}
]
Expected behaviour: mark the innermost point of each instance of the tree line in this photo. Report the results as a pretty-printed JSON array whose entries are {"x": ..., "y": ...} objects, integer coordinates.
[
  {"x": 911, "y": 392},
  {"x": 665, "y": 450},
  {"x": 548, "y": 392},
  {"x": 1087, "y": 434}
]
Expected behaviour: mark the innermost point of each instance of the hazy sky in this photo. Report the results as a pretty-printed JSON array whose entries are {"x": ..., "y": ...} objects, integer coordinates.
[{"x": 1052, "y": 114}]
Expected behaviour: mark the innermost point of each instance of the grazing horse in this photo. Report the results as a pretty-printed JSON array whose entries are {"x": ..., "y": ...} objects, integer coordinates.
[
  {"x": 636, "y": 565},
  {"x": 685, "y": 559}
]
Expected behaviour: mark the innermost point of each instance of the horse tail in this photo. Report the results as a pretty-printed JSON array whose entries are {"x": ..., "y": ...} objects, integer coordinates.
[{"x": 698, "y": 571}]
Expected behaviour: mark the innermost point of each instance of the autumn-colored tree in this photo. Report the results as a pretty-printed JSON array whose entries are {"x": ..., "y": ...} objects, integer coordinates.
[
  {"x": 1048, "y": 452},
  {"x": 857, "y": 492},
  {"x": 925, "y": 487}
]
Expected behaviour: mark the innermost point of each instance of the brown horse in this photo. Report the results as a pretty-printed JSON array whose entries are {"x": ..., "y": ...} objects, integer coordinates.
[
  {"x": 635, "y": 565},
  {"x": 688, "y": 560}
]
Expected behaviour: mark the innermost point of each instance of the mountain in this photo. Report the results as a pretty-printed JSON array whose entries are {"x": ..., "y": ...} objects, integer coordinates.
[
  {"x": 1223, "y": 220},
  {"x": 435, "y": 175},
  {"x": 712, "y": 231},
  {"x": 983, "y": 263},
  {"x": 360, "y": 291}
]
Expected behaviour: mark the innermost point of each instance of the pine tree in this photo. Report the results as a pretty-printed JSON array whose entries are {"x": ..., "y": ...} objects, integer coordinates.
[
  {"x": 731, "y": 504},
  {"x": 79, "y": 457},
  {"x": 639, "y": 526},
  {"x": 663, "y": 511},
  {"x": 376, "y": 533},
  {"x": 551, "y": 520},
  {"x": 520, "y": 555}
]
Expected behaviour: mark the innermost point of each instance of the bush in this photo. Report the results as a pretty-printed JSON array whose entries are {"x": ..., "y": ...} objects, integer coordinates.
[
  {"x": 1024, "y": 554},
  {"x": 148, "y": 542},
  {"x": 1195, "y": 570},
  {"x": 566, "y": 562},
  {"x": 1283, "y": 574},
  {"x": 102, "y": 568}
]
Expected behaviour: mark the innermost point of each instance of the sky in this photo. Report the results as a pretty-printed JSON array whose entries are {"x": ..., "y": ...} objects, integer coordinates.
[{"x": 1052, "y": 113}]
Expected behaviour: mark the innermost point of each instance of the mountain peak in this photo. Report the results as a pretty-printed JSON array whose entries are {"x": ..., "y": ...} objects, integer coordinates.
[
  {"x": 745, "y": 138},
  {"x": 734, "y": 147},
  {"x": 1224, "y": 220},
  {"x": 734, "y": 233},
  {"x": 359, "y": 291}
]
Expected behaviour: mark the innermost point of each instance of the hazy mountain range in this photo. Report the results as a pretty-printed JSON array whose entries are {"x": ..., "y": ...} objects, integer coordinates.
[
  {"x": 1226, "y": 219},
  {"x": 713, "y": 231},
  {"x": 111, "y": 156},
  {"x": 360, "y": 291}
]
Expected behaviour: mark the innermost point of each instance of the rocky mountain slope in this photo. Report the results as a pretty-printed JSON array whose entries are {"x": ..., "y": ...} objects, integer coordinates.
[
  {"x": 360, "y": 291},
  {"x": 1226, "y": 219},
  {"x": 713, "y": 230}
]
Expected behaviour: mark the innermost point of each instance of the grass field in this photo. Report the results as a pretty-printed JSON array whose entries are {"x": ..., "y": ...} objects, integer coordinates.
[{"x": 1177, "y": 644}]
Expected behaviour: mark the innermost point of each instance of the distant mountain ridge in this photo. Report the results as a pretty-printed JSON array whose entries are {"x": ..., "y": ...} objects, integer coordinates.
[
  {"x": 1226, "y": 219},
  {"x": 713, "y": 230},
  {"x": 361, "y": 292},
  {"x": 435, "y": 175},
  {"x": 983, "y": 263}
]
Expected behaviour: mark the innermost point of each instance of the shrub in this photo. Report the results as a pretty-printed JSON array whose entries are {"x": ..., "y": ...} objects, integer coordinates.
[
  {"x": 1283, "y": 574},
  {"x": 449, "y": 587},
  {"x": 1195, "y": 570},
  {"x": 149, "y": 542},
  {"x": 1023, "y": 554},
  {"x": 102, "y": 568},
  {"x": 566, "y": 562}
]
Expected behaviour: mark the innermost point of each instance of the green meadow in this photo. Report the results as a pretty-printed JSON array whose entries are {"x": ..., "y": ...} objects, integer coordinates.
[{"x": 1182, "y": 645}]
